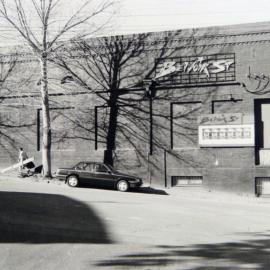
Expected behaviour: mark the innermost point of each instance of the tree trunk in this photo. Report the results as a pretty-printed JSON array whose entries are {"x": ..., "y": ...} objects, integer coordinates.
[
  {"x": 111, "y": 133},
  {"x": 46, "y": 138}
]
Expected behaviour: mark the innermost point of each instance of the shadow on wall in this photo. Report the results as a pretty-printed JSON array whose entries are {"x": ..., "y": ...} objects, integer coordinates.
[
  {"x": 45, "y": 218},
  {"x": 252, "y": 254}
]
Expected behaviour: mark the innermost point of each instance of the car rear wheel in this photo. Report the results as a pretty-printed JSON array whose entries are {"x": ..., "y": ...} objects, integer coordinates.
[
  {"x": 73, "y": 181},
  {"x": 122, "y": 185}
]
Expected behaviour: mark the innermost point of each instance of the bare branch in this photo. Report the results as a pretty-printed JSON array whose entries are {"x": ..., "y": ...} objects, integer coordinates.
[{"x": 72, "y": 23}]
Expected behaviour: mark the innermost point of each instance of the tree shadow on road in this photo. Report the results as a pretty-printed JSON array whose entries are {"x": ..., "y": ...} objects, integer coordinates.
[
  {"x": 251, "y": 254},
  {"x": 47, "y": 218}
]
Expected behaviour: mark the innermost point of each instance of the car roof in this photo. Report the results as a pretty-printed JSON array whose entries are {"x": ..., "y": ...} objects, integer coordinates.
[{"x": 91, "y": 162}]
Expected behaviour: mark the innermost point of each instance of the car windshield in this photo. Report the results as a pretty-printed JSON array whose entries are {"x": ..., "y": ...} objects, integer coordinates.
[{"x": 111, "y": 168}]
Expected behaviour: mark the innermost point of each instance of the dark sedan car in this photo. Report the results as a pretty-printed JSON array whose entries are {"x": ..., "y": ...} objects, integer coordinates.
[{"x": 97, "y": 174}]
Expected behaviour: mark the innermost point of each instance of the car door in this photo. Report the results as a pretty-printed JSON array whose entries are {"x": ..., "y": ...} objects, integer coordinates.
[
  {"x": 87, "y": 174},
  {"x": 79, "y": 170},
  {"x": 103, "y": 175}
]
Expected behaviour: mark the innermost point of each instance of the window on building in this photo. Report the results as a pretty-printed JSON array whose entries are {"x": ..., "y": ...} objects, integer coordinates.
[{"x": 189, "y": 180}]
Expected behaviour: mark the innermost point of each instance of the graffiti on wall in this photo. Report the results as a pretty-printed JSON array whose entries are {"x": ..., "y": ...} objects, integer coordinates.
[
  {"x": 219, "y": 119},
  {"x": 194, "y": 69}
]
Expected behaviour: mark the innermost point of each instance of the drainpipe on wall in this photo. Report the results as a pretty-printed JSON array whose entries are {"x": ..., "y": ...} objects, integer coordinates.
[
  {"x": 149, "y": 171},
  {"x": 165, "y": 168}
]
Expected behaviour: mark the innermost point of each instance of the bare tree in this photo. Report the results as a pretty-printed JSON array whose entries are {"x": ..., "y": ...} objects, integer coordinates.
[
  {"x": 114, "y": 68},
  {"x": 44, "y": 41},
  {"x": 118, "y": 70}
]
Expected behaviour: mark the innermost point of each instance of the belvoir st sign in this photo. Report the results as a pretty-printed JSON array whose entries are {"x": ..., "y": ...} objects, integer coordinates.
[{"x": 196, "y": 69}]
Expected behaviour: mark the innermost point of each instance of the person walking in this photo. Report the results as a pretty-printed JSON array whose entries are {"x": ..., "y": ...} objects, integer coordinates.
[{"x": 22, "y": 156}]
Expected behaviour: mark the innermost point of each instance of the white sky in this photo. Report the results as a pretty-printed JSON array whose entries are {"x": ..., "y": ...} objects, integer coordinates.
[
  {"x": 132, "y": 16},
  {"x": 155, "y": 15}
]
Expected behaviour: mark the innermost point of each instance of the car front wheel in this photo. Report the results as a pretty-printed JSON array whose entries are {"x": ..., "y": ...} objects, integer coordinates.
[
  {"x": 73, "y": 181},
  {"x": 122, "y": 186}
]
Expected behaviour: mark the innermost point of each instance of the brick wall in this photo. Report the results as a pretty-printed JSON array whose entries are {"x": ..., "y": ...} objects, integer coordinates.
[{"x": 231, "y": 169}]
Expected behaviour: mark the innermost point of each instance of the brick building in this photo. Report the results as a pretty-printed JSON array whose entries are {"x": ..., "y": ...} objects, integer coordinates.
[{"x": 197, "y": 115}]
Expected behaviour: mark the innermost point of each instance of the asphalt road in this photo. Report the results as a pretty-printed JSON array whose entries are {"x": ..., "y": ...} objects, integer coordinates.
[{"x": 52, "y": 226}]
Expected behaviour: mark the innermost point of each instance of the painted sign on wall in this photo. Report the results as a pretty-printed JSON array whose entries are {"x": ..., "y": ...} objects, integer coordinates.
[
  {"x": 226, "y": 135},
  {"x": 219, "y": 119},
  {"x": 196, "y": 69}
]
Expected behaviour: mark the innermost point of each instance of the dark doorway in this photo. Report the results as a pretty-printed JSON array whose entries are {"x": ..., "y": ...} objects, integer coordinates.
[{"x": 262, "y": 132}]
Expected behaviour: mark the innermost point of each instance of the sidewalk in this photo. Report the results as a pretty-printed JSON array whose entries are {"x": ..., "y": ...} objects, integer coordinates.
[
  {"x": 201, "y": 193},
  {"x": 35, "y": 178},
  {"x": 196, "y": 193}
]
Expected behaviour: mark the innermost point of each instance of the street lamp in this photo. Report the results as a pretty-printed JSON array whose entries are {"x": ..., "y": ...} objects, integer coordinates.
[{"x": 150, "y": 93}]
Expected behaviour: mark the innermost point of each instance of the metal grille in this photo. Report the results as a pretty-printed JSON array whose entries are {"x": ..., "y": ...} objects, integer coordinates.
[
  {"x": 187, "y": 181},
  {"x": 202, "y": 72}
]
